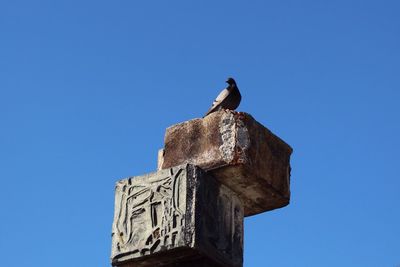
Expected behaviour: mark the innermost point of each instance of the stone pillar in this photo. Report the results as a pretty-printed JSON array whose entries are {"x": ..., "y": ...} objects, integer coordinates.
[
  {"x": 211, "y": 173},
  {"x": 175, "y": 216}
]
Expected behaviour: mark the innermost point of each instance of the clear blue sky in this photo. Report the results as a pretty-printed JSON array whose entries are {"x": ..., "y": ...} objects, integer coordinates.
[{"x": 87, "y": 89}]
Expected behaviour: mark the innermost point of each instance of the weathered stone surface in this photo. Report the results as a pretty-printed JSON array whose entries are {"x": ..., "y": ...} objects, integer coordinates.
[
  {"x": 176, "y": 215},
  {"x": 160, "y": 159},
  {"x": 239, "y": 152}
]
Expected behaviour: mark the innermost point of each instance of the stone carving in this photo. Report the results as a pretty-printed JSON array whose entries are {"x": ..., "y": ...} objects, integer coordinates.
[
  {"x": 176, "y": 215},
  {"x": 150, "y": 213},
  {"x": 221, "y": 223}
]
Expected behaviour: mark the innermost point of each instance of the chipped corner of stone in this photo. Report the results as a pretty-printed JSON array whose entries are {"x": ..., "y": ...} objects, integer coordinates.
[{"x": 234, "y": 136}]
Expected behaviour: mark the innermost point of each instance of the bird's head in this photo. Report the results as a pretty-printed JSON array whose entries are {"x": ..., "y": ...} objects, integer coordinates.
[{"x": 230, "y": 81}]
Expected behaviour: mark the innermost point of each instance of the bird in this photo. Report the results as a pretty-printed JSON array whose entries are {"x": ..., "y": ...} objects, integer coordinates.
[{"x": 229, "y": 98}]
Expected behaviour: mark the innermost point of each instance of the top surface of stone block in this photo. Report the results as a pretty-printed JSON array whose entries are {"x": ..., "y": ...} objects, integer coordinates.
[{"x": 240, "y": 152}]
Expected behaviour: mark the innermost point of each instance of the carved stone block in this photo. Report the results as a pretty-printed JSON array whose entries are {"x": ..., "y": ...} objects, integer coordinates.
[
  {"x": 239, "y": 152},
  {"x": 176, "y": 215}
]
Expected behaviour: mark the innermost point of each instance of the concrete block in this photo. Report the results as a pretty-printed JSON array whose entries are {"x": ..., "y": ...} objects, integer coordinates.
[
  {"x": 176, "y": 215},
  {"x": 239, "y": 152}
]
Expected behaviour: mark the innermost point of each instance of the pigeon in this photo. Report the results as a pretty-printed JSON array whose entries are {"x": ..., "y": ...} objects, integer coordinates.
[{"x": 229, "y": 98}]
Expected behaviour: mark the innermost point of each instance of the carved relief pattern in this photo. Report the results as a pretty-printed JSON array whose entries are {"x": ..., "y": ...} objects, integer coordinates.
[
  {"x": 150, "y": 213},
  {"x": 223, "y": 223}
]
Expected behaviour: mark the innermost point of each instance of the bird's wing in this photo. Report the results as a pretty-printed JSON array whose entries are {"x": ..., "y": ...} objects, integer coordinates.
[{"x": 224, "y": 93}]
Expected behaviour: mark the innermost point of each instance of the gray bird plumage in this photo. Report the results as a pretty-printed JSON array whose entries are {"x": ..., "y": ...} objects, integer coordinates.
[{"x": 229, "y": 98}]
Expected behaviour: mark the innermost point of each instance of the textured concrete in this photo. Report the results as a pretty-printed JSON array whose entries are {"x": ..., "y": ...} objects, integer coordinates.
[
  {"x": 239, "y": 152},
  {"x": 176, "y": 215}
]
